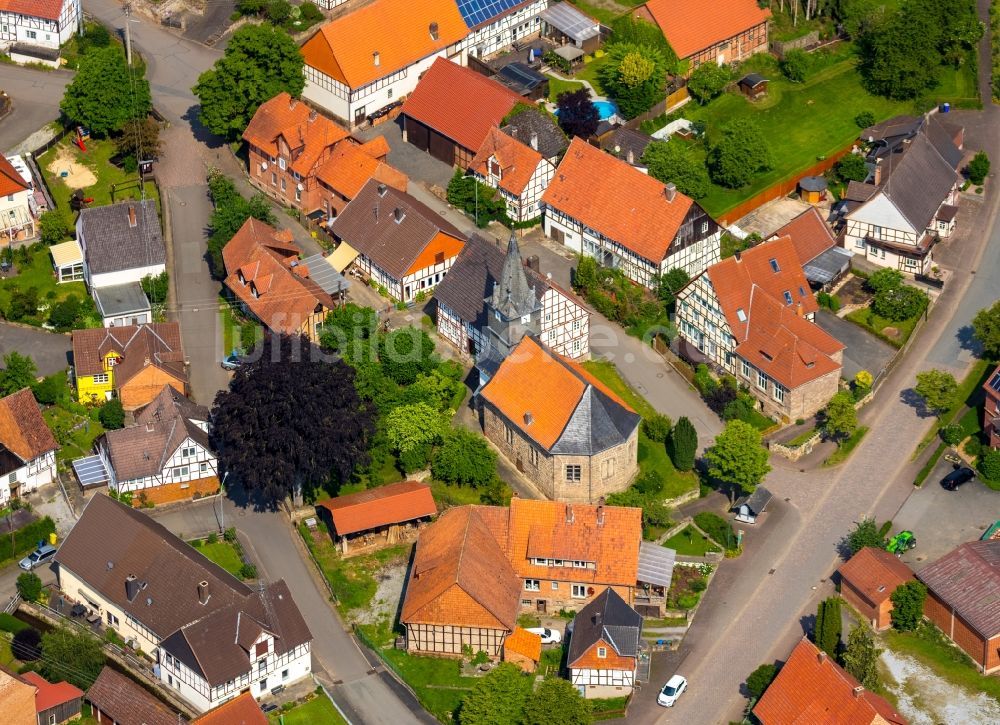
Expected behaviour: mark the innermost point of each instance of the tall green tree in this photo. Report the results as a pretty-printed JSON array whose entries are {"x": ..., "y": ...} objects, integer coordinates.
[
  {"x": 979, "y": 167},
  {"x": 840, "y": 417},
  {"x": 464, "y": 458},
  {"x": 260, "y": 62},
  {"x": 899, "y": 55},
  {"x": 413, "y": 426},
  {"x": 852, "y": 168},
  {"x": 826, "y": 633},
  {"x": 708, "y": 80},
  {"x": 865, "y": 533},
  {"x": 139, "y": 138},
  {"x": 740, "y": 152},
  {"x": 75, "y": 658},
  {"x": 861, "y": 657},
  {"x": 675, "y": 162},
  {"x": 986, "y": 328},
  {"x": 683, "y": 444},
  {"x": 105, "y": 93},
  {"x": 556, "y": 702},
  {"x": 760, "y": 679},
  {"x": 938, "y": 389},
  {"x": 908, "y": 605},
  {"x": 498, "y": 698},
  {"x": 635, "y": 75},
  {"x": 19, "y": 372},
  {"x": 737, "y": 457},
  {"x": 406, "y": 353},
  {"x": 578, "y": 116},
  {"x": 670, "y": 284},
  {"x": 230, "y": 211}
]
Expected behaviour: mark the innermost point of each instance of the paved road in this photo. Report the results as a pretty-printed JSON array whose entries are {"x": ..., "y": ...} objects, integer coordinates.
[
  {"x": 49, "y": 350},
  {"x": 36, "y": 95}
]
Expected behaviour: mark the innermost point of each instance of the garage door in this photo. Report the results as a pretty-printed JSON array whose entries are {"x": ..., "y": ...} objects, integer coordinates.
[
  {"x": 442, "y": 148},
  {"x": 417, "y": 133}
]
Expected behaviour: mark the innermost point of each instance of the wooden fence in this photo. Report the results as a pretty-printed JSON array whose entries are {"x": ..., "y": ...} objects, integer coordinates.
[{"x": 673, "y": 100}]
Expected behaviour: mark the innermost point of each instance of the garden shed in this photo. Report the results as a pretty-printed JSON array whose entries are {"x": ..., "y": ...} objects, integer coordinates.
[
  {"x": 812, "y": 189},
  {"x": 753, "y": 86},
  {"x": 378, "y": 516},
  {"x": 750, "y": 507},
  {"x": 569, "y": 53},
  {"x": 565, "y": 22}
]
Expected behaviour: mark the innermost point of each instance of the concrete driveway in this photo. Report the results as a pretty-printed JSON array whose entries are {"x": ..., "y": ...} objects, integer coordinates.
[
  {"x": 49, "y": 350},
  {"x": 941, "y": 520},
  {"x": 36, "y": 95},
  {"x": 418, "y": 165},
  {"x": 864, "y": 351}
]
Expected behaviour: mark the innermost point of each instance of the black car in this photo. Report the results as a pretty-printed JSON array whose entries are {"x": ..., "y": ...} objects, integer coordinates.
[{"x": 956, "y": 478}]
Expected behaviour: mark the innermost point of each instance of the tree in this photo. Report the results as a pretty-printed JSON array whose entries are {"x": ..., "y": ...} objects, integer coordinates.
[
  {"x": 864, "y": 119},
  {"x": 106, "y": 93},
  {"x": 760, "y": 679},
  {"x": 556, "y": 702},
  {"x": 670, "y": 284},
  {"x": 635, "y": 75},
  {"x": 291, "y": 420},
  {"x": 861, "y": 657},
  {"x": 884, "y": 279},
  {"x": 76, "y": 658},
  {"x": 230, "y": 212},
  {"x": 979, "y": 168},
  {"x": 986, "y": 328},
  {"x": 674, "y": 162},
  {"x": 53, "y": 227},
  {"x": 578, "y": 116},
  {"x": 464, "y": 458},
  {"x": 899, "y": 56},
  {"x": 826, "y": 633},
  {"x": 260, "y": 62},
  {"x": 140, "y": 138},
  {"x": 29, "y": 586},
  {"x": 65, "y": 315},
  {"x": 989, "y": 464},
  {"x": 852, "y": 168},
  {"x": 683, "y": 444},
  {"x": 498, "y": 698},
  {"x": 938, "y": 390},
  {"x": 405, "y": 353},
  {"x": 112, "y": 415},
  {"x": 413, "y": 426},
  {"x": 739, "y": 154},
  {"x": 27, "y": 644},
  {"x": 795, "y": 65},
  {"x": 23, "y": 303},
  {"x": 657, "y": 427},
  {"x": 899, "y": 303},
  {"x": 737, "y": 457},
  {"x": 156, "y": 287},
  {"x": 477, "y": 199},
  {"x": 840, "y": 418},
  {"x": 707, "y": 81},
  {"x": 51, "y": 389},
  {"x": 18, "y": 373},
  {"x": 907, "y": 605},
  {"x": 865, "y": 533}
]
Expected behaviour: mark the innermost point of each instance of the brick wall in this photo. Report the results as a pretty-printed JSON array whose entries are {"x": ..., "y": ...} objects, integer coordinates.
[
  {"x": 562, "y": 597},
  {"x": 857, "y": 600},
  {"x": 955, "y": 628},
  {"x": 180, "y": 491}
]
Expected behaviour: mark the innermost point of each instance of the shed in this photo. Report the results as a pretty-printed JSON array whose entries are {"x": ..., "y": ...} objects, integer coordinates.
[
  {"x": 67, "y": 260},
  {"x": 379, "y": 511},
  {"x": 569, "y": 52},
  {"x": 524, "y": 80},
  {"x": 566, "y": 23},
  {"x": 812, "y": 189},
  {"x": 523, "y": 648},
  {"x": 653, "y": 577},
  {"x": 753, "y": 85},
  {"x": 750, "y": 507}
]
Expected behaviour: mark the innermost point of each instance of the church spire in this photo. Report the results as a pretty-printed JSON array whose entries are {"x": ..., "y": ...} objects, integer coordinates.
[{"x": 512, "y": 296}]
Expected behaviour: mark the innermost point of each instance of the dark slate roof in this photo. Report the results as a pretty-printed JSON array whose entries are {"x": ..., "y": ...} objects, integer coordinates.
[
  {"x": 758, "y": 500},
  {"x": 511, "y": 295},
  {"x": 813, "y": 183},
  {"x": 895, "y": 127},
  {"x": 120, "y": 299},
  {"x": 127, "y": 702},
  {"x": 968, "y": 580},
  {"x": 752, "y": 80},
  {"x": 607, "y": 617},
  {"x": 920, "y": 182},
  {"x": 113, "y": 245},
  {"x": 598, "y": 423},
  {"x": 369, "y": 225},
  {"x": 624, "y": 140},
  {"x": 551, "y": 140},
  {"x": 860, "y": 191},
  {"x": 472, "y": 277}
]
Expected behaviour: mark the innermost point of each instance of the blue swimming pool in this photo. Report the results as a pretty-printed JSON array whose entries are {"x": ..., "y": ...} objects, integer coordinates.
[{"x": 605, "y": 109}]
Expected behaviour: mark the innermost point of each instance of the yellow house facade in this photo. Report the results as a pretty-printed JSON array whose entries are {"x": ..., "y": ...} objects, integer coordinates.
[{"x": 97, "y": 388}]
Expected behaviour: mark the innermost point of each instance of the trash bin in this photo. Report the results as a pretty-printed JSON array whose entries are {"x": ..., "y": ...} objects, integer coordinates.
[{"x": 52, "y": 538}]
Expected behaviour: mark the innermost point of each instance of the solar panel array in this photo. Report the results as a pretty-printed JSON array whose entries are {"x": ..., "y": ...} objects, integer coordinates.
[
  {"x": 995, "y": 382},
  {"x": 570, "y": 21},
  {"x": 477, "y": 12}
]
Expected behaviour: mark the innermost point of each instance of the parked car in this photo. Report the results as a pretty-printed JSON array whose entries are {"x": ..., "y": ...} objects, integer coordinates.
[
  {"x": 549, "y": 636},
  {"x": 956, "y": 478},
  {"x": 38, "y": 557},
  {"x": 674, "y": 688},
  {"x": 232, "y": 361}
]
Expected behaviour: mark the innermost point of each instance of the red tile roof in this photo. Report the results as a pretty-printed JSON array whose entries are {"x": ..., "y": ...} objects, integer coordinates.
[
  {"x": 48, "y": 694},
  {"x": 23, "y": 430},
  {"x": 525, "y": 643},
  {"x": 773, "y": 334},
  {"x": 459, "y": 103},
  {"x": 390, "y": 504},
  {"x": 156, "y": 343},
  {"x": 10, "y": 180},
  {"x": 351, "y": 166},
  {"x": 48, "y": 9},
  {"x": 875, "y": 573},
  {"x": 617, "y": 200},
  {"x": 694, "y": 25},
  {"x": 307, "y": 133},
  {"x": 517, "y": 161},
  {"x": 241, "y": 710},
  {"x": 811, "y": 688},
  {"x": 811, "y": 236}
]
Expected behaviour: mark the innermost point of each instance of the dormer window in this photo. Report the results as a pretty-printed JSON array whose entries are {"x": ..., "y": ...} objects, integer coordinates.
[
  {"x": 774, "y": 265},
  {"x": 495, "y": 169},
  {"x": 788, "y": 297},
  {"x": 113, "y": 360},
  {"x": 243, "y": 280},
  {"x": 802, "y": 291},
  {"x": 253, "y": 290},
  {"x": 282, "y": 164}
]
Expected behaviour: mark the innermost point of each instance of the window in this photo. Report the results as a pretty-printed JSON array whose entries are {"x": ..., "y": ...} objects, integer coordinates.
[
  {"x": 876, "y": 232},
  {"x": 746, "y": 369},
  {"x": 576, "y": 324},
  {"x": 525, "y": 602},
  {"x": 576, "y": 346},
  {"x": 101, "y": 379},
  {"x": 859, "y": 243},
  {"x": 741, "y": 315},
  {"x": 533, "y": 456},
  {"x": 203, "y": 466},
  {"x": 388, "y": 93},
  {"x": 774, "y": 265},
  {"x": 508, "y": 435},
  {"x": 788, "y": 297},
  {"x": 609, "y": 467},
  {"x": 704, "y": 227},
  {"x": 439, "y": 258},
  {"x": 284, "y": 184},
  {"x": 802, "y": 291},
  {"x": 602, "y": 652},
  {"x": 284, "y": 674},
  {"x": 580, "y": 565},
  {"x": 52, "y": 719},
  {"x": 555, "y": 585},
  {"x": 532, "y": 585},
  {"x": 263, "y": 685},
  {"x": 31, "y": 34},
  {"x": 188, "y": 452},
  {"x": 298, "y": 194},
  {"x": 180, "y": 471},
  {"x": 12, "y": 478},
  {"x": 579, "y": 591},
  {"x": 113, "y": 360},
  {"x": 112, "y": 619},
  {"x": 573, "y": 473},
  {"x": 274, "y": 179},
  {"x": 262, "y": 664},
  {"x": 779, "y": 393},
  {"x": 761, "y": 380},
  {"x": 282, "y": 164}
]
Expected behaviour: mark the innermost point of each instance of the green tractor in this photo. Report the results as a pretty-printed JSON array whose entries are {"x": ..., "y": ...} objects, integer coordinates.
[{"x": 901, "y": 543}]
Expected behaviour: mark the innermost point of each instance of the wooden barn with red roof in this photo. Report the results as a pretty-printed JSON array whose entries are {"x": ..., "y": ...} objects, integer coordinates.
[
  {"x": 751, "y": 316},
  {"x": 378, "y": 515}
]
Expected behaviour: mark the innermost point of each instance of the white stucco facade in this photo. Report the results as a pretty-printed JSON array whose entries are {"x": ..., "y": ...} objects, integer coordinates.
[
  {"x": 502, "y": 32},
  {"x": 528, "y": 204},
  {"x": 21, "y": 27},
  {"x": 36, "y": 472},
  {"x": 190, "y": 462}
]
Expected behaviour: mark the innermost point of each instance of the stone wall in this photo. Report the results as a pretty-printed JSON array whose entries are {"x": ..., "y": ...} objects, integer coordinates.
[
  {"x": 808, "y": 40},
  {"x": 180, "y": 491}
]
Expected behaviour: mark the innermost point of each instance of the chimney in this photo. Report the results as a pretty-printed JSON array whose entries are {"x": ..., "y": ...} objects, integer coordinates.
[
  {"x": 631, "y": 159},
  {"x": 146, "y": 362},
  {"x": 534, "y": 141},
  {"x": 821, "y": 656},
  {"x": 600, "y": 511},
  {"x": 131, "y": 587},
  {"x": 203, "y": 592},
  {"x": 381, "y": 189},
  {"x": 798, "y": 310},
  {"x": 858, "y": 691},
  {"x": 398, "y": 214},
  {"x": 312, "y": 115},
  {"x": 292, "y": 103},
  {"x": 878, "y": 172},
  {"x": 131, "y": 215},
  {"x": 670, "y": 191},
  {"x": 569, "y": 514},
  {"x": 737, "y": 254},
  {"x": 597, "y": 619},
  {"x": 376, "y": 59},
  {"x": 435, "y": 35}
]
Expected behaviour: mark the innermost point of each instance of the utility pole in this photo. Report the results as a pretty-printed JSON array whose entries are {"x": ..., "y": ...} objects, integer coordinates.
[{"x": 128, "y": 32}]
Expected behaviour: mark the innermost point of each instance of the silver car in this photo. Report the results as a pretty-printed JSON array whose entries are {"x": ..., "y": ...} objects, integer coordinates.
[{"x": 39, "y": 556}]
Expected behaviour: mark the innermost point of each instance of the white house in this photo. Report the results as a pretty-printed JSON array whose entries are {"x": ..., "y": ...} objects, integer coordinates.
[
  {"x": 604, "y": 647},
  {"x": 517, "y": 171},
  {"x": 16, "y": 218},
  {"x": 27, "y": 447},
  {"x": 44, "y": 24},
  {"x": 121, "y": 243},
  {"x": 165, "y": 456},
  {"x": 602, "y": 207},
  {"x": 495, "y": 26},
  {"x": 211, "y": 635},
  {"x": 564, "y": 324},
  {"x": 374, "y": 56}
]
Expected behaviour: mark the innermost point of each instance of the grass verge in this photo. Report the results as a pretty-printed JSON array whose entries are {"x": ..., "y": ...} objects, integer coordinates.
[
  {"x": 876, "y": 325},
  {"x": 437, "y": 681},
  {"x": 690, "y": 542},
  {"x": 846, "y": 448},
  {"x": 926, "y": 469},
  {"x": 801, "y": 438},
  {"x": 970, "y": 393},
  {"x": 224, "y": 554},
  {"x": 317, "y": 711}
]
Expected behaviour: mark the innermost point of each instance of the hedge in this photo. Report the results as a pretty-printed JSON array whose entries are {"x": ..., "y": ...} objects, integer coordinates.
[
  {"x": 717, "y": 528},
  {"x": 27, "y": 537}
]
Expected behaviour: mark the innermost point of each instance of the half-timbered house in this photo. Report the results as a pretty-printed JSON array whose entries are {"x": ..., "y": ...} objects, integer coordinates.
[
  {"x": 518, "y": 172},
  {"x": 45, "y": 24},
  {"x": 604, "y": 647},
  {"x": 27, "y": 447}
]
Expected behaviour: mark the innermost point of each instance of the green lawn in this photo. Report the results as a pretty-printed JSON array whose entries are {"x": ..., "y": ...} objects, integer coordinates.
[
  {"x": 558, "y": 86},
  {"x": 588, "y": 72},
  {"x": 224, "y": 554},
  {"x": 38, "y": 273},
  {"x": 317, "y": 711},
  {"x": 801, "y": 438},
  {"x": 691, "y": 542},
  {"x": 607, "y": 373},
  {"x": 877, "y": 326},
  {"x": 803, "y": 122},
  {"x": 97, "y": 158},
  {"x": 846, "y": 448},
  {"x": 436, "y": 681},
  {"x": 970, "y": 393},
  {"x": 76, "y": 443}
]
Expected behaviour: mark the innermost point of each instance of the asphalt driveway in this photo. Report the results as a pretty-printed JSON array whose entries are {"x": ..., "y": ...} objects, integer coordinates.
[
  {"x": 863, "y": 352},
  {"x": 941, "y": 520},
  {"x": 416, "y": 164},
  {"x": 49, "y": 350}
]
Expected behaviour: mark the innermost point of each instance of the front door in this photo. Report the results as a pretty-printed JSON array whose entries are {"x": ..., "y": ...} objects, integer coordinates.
[{"x": 540, "y": 605}]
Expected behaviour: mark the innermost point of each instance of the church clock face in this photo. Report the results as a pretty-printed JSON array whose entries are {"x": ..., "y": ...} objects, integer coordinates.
[{"x": 525, "y": 319}]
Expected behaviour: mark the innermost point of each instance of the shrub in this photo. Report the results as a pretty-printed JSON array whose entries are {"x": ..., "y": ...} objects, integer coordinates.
[
  {"x": 795, "y": 65},
  {"x": 952, "y": 434},
  {"x": 54, "y": 227},
  {"x": 230, "y": 534},
  {"x": 26, "y": 645},
  {"x": 884, "y": 279},
  {"x": 50, "y": 389},
  {"x": 865, "y": 119},
  {"x": 657, "y": 427},
  {"x": 248, "y": 571},
  {"x": 212, "y": 538},
  {"x": 687, "y": 601},
  {"x": 973, "y": 446},
  {"x": 899, "y": 303},
  {"x": 684, "y": 444},
  {"x": 760, "y": 679},
  {"x": 112, "y": 415},
  {"x": 908, "y": 606},
  {"x": 989, "y": 464},
  {"x": 979, "y": 168},
  {"x": 737, "y": 409},
  {"x": 699, "y": 585},
  {"x": 649, "y": 483},
  {"x": 29, "y": 586},
  {"x": 717, "y": 528}
]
